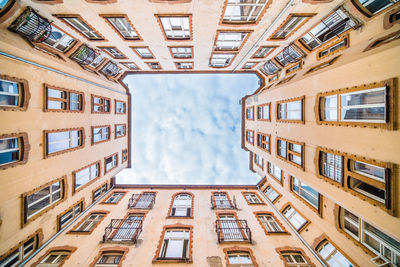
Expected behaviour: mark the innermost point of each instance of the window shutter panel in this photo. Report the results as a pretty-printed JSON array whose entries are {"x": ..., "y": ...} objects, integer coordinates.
[
  {"x": 185, "y": 246},
  {"x": 173, "y": 212},
  {"x": 164, "y": 249},
  {"x": 188, "y": 212}
]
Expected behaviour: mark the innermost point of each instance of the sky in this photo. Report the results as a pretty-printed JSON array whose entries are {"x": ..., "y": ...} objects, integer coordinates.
[{"x": 186, "y": 129}]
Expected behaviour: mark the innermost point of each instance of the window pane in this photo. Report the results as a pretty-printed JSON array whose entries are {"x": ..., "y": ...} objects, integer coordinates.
[{"x": 369, "y": 170}]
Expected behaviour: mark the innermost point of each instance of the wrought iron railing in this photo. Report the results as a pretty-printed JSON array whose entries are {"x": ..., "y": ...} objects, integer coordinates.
[
  {"x": 111, "y": 69},
  {"x": 223, "y": 204},
  {"x": 232, "y": 230},
  {"x": 142, "y": 201},
  {"x": 31, "y": 26},
  {"x": 123, "y": 230},
  {"x": 84, "y": 55}
]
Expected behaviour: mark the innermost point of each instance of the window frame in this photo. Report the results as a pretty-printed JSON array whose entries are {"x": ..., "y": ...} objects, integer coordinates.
[
  {"x": 124, "y": 153},
  {"x": 171, "y": 206},
  {"x": 296, "y": 99},
  {"x": 247, "y": 137},
  {"x": 181, "y": 46},
  {"x": 105, "y": 50},
  {"x": 319, "y": 165},
  {"x": 76, "y": 226},
  {"x": 383, "y": 40},
  {"x": 101, "y": 141},
  {"x": 286, "y": 80},
  {"x": 116, "y": 165},
  {"x": 250, "y": 110},
  {"x": 343, "y": 38},
  {"x": 235, "y": 250},
  {"x": 24, "y": 208},
  {"x": 110, "y": 250},
  {"x": 103, "y": 98},
  {"x": 63, "y": 17},
  {"x": 368, "y": 13},
  {"x": 111, "y": 194},
  {"x": 322, "y": 65},
  {"x": 290, "y": 67},
  {"x": 115, "y": 108},
  {"x": 261, "y": 213},
  {"x": 81, "y": 202},
  {"x": 216, "y": 206},
  {"x": 264, "y": 142},
  {"x": 273, "y": 47},
  {"x": 115, "y": 130},
  {"x": 323, "y": 239},
  {"x": 66, "y": 100},
  {"x": 154, "y": 69},
  {"x": 254, "y": 64},
  {"x": 68, "y": 249},
  {"x": 222, "y": 53},
  {"x": 184, "y": 62},
  {"x": 140, "y": 55},
  {"x": 389, "y": 107},
  {"x": 290, "y": 152},
  {"x": 23, "y": 149},
  {"x": 124, "y": 16},
  {"x": 307, "y": 17},
  {"x": 282, "y": 250},
  {"x": 275, "y": 178},
  {"x": 166, "y": 38},
  {"x": 304, "y": 225},
  {"x": 76, "y": 190},
  {"x": 269, "y": 112},
  {"x": 317, "y": 209},
  {"x": 23, "y": 97},
  {"x": 246, "y": 37},
  {"x": 82, "y": 138},
  {"x": 276, "y": 191},
  {"x": 177, "y": 226},
  {"x": 256, "y": 156},
  {"x": 126, "y": 65},
  {"x": 244, "y": 193},
  {"x": 250, "y": 23}
]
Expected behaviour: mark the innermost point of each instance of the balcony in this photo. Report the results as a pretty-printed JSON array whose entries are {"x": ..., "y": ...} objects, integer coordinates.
[
  {"x": 232, "y": 231},
  {"x": 31, "y": 26},
  {"x": 142, "y": 201},
  {"x": 84, "y": 55},
  {"x": 123, "y": 230},
  {"x": 223, "y": 204}
]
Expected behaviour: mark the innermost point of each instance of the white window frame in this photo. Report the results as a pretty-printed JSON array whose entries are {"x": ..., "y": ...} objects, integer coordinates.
[
  {"x": 275, "y": 171},
  {"x": 115, "y": 197},
  {"x": 270, "y": 223},
  {"x": 71, "y": 213},
  {"x": 60, "y": 41},
  {"x": 71, "y": 139},
  {"x": 234, "y": 9},
  {"x": 184, "y": 65},
  {"x": 21, "y": 252},
  {"x": 221, "y": 60},
  {"x": 263, "y": 112},
  {"x": 239, "y": 259},
  {"x": 271, "y": 194},
  {"x": 288, "y": 112},
  {"x": 60, "y": 257},
  {"x": 259, "y": 160},
  {"x": 144, "y": 52},
  {"x": 331, "y": 254},
  {"x": 112, "y": 164},
  {"x": 12, "y": 94},
  {"x": 178, "y": 237},
  {"x": 252, "y": 198},
  {"x": 120, "y": 130},
  {"x": 182, "y": 52},
  {"x": 222, "y": 201},
  {"x": 123, "y": 26},
  {"x": 82, "y": 27},
  {"x": 50, "y": 195},
  {"x": 290, "y": 25},
  {"x": 16, "y": 143},
  {"x": 178, "y": 31},
  {"x": 101, "y": 262},
  {"x": 91, "y": 221},
  {"x": 295, "y": 219},
  {"x": 230, "y": 40},
  {"x": 101, "y": 134},
  {"x": 332, "y": 166},
  {"x": 303, "y": 190},
  {"x": 182, "y": 205},
  {"x": 90, "y": 173}
]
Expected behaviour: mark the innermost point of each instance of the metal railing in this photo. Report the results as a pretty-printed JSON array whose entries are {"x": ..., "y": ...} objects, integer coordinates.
[
  {"x": 123, "y": 230},
  {"x": 142, "y": 201},
  {"x": 223, "y": 204},
  {"x": 232, "y": 230}
]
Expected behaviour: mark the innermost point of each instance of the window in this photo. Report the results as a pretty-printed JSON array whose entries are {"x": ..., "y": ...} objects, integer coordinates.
[
  {"x": 142, "y": 201},
  {"x": 143, "y": 52},
  {"x": 372, "y": 7},
  {"x": 120, "y": 107},
  {"x": 113, "y": 52},
  {"x": 123, "y": 26},
  {"x": 111, "y": 69},
  {"x": 19, "y": 253},
  {"x": 97, "y": 193},
  {"x": 252, "y": 198},
  {"x": 86, "y": 175},
  {"x": 264, "y": 51},
  {"x": 88, "y": 224},
  {"x": 114, "y": 198},
  {"x": 294, "y": 259},
  {"x": 220, "y": 200},
  {"x": 101, "y": 104},
  {"x": 259, "y": 161},
  {"x": 286, "y": 80},
  {"x": 124, "y": 155},
  {"x": 100, "y": 134},
  {"x": 275, "y": 171},
  {"x": 175, "y": 244},
  {"x": 250, "y": 113},
  {"x": 334, "y": 47},
  {"x": 42, "y": 199},
  {"x": 295, "y": 219},
  {"x": 80, "y": 25},
  {"x": 270, "y": 67},
  {"x": 176, "y": 27},
  {"x": 290, "y": 151},
  {"x": 5, "y": 6},
  {"x": 184, "y": 65},
  {"x": 335, "y": 24},
  {"x": 59, "y": 141},
  {"x": 154, "y": 65},
  {"x": 387, "y": 249},
  {"x": 322, "y": 65},
  {"x": 54, "y": 258},
  {"x": 182, "y": 206},
  {"x": 331, "y": 166},
  {"x": 240, "y": 259},
  {"x": 291, "y": 110},
  {"x": 250, "y": 136},
  {"x": 331, "y": 255},
  {"x": 383, "y": 40},
  {"x": 69, "y": 215},
  {"x": 294, "y": 67},
  {"x": 111, "y": 162},
  {"x": 367, "y": 105},
  {"x": 231, "y": 40},
  {"x": 271, "y": 194},
  {"x": 181, "y": 51},
  {"x": 249, "y": 65},
  {"x": 269, "y": 223},
  {"x": 109, "y": 259},
  {"x": 290, "y": 25},
  {"x": 221, "y": 60},
  {"x": 264, "y": 112},
  {"x": 289, "y": 54},
  {"x": 264, "y": 141},
  {"x": 120, "y": 130},
  {"x": 244, "y": 12},
  {"x": 306, "y": 192},
  {"x": 59, "y": 40},
  {"x": 130, "y": 65},
  {"x": 59, "y": 99},
  {"x": 13, "y": 93},
  {"x": 14, "y": 149},
  {"x": 230, "y": 229},
  {"x": 273, "y": 78}
]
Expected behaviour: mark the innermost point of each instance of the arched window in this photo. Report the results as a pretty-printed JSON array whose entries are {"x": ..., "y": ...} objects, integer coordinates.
[
  {"x": 331, "y": 255},
  {"x": 239, "y": 256},
  {"x": 182, "y": 206}
]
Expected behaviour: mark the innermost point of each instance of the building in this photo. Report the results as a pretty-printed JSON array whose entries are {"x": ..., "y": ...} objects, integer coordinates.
[{"x": 321, "y": 131}]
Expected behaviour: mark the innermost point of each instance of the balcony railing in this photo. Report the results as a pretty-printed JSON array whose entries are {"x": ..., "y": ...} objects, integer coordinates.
[
  {"x": 31, "y": 26},
  {"x": 223, "y": 204},
  {"x": 232, "y": 231},
  {"x": 123, "y": 230},
  {"x": 142, "y": 201},
  {"x": 84, "y": 55}
]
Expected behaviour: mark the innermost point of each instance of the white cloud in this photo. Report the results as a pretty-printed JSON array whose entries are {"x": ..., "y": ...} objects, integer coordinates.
[{"x": 186, "y": 129}]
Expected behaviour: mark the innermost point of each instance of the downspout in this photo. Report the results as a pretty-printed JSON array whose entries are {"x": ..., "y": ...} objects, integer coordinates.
[
  {"x": 62, "y": 230},
  {"x": 264, "y": 34},
  {"x": 291, "y": 227}
]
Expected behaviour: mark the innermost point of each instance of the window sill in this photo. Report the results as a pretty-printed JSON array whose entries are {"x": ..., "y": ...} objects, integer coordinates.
[{"x": 174, "y": 260}]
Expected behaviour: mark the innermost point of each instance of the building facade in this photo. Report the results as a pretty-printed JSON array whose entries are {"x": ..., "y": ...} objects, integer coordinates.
[{"x": 321, "y": 131}]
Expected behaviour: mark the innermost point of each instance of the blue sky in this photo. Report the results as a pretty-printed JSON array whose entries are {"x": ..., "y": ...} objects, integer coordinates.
[{"x": 186, "y": 129}]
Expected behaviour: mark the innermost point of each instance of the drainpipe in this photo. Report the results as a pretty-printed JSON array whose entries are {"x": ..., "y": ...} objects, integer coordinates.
[
  {"x": 264, "y": 34},
  {"x": 291, "y": 227},
  {"x": 62, "y": 230}
]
